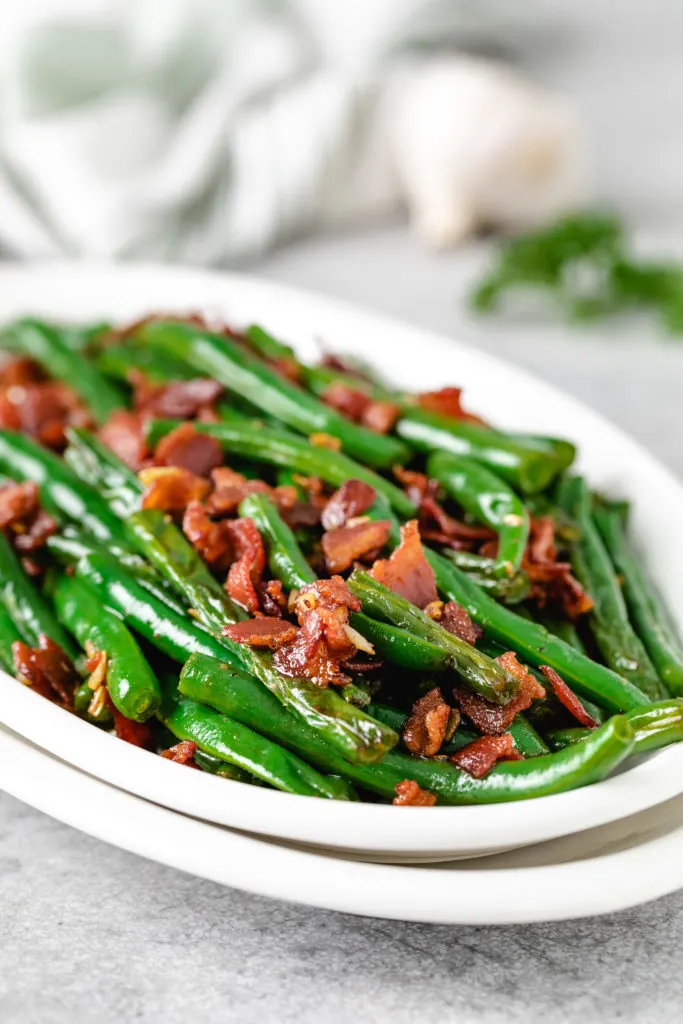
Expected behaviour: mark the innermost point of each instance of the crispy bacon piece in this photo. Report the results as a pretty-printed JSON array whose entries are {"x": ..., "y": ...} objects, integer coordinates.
[
  {"x": 407, "y": 571},
  {"x": 262, "y": 632},
  {"x": 447, "y": 402},
  {"x": 211, "y": 540},
  {"x": 272, "y": 598},
  {"x": 480, "y": 756},
  {"x": 182, "y": 753},
  {"x": 186, "y": 448},
  {"x": 416, "y": 485},
  {"x": 436, "y": 525},
  {"x": 171, "y": 488},
  {"x": 325, "y": 639},
  {"x": 179, "y": 400},
  {"x": 492, "y": 719},
  {"x": 46, "y": 669},
  {"x": 286, "y": 367},
  {"x": 250, "y": 561},
  {"x": 551, "y": 581},
  {"x": 409, "y": 794},
  {"x": 343, "y": 546},
  {"x": 457, "y": 621},
  {"x": 568, "y": 698},
  {"x": 430, "y": 723},
  {"x": 42, "y": 410},
  {"x": 231, "y": 487},
  {"x": 350, "y": 500},
  {"x": 19, "y": 373},
  {"x": 139, "y": 734},
  {"x": 372, "y": 413},
  {"x": 124, "y": 433},
  {"x": 27, "y": 524}
]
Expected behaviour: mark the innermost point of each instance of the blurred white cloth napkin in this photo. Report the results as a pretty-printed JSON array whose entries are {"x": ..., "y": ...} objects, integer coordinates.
[{"x": 199, "y": 130}]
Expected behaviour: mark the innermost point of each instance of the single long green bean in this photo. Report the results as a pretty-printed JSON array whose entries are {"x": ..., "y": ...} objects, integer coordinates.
[
  {"x": 263, "y": 444},
  {"x": 484, "y": 572},
  {"x": 62, "y": 493},
  {"x": 9, "y": 634},
  {"x": 483, "y": 675},
  {"x": 44, "y": 344},
  {"x": 117, "y": 361},
  {"x": 231, "y": 741},
  {"x": 131, "y": 683},
  {"x": 608, "y": 618},
  {"x": 245, "y": 375},
  {"x": 596, "y": 682},
  {"x": 25, "y": 605},
  {"x": 485, "y": 496},
  {"x": 99, "y": 467},
  {"x": 648, "y": 614}
]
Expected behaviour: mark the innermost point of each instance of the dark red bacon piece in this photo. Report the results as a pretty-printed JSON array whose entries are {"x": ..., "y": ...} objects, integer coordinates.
[
  {"x": 262, "y": 632},
  {"x": 493, "y": 719},
  {"x": 182, "y": 753},
  {"x": 171, "y": 488},
  {"x": 482, "y": 754},
  {"x": 124, "y": 433},
  {"x": 187, "y": 449},
  {"x": 344, "y": 546},
  {"x": 250, "y": 561},
  {"x": 407, "y": 571},
  {"x": 409, "y": 794},
  {"x": 46, "y": 669},
  {"x": 350, "y": 500},
  {"x": 568, "y": 698},
  {"x": 430, "y": 723}
]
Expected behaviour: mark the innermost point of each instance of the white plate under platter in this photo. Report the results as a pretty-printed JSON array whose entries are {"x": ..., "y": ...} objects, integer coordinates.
[
  {"x": 509, "y": 397},
  {"x": 597, "y": 872}
]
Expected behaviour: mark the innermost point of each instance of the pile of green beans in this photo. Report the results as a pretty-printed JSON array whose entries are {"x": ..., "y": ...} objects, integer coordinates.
[{"x": 118, "y": 577}]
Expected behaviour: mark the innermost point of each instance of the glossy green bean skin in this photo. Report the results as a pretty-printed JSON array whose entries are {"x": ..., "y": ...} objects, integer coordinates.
[
  {"x": 97, "y": 466},
  {"x": 263, "y": 444},
  {"x": 529, "y": 469},
  {"x": 231, "y": 741},
  {"x": 483, "y": 571},
  {"x": 215, "y": 766},
  {"x": 25, "y": 605},
  {"x": 44, "y": 344},
  {"x": 483, "y": 675},
  {"x": 656, "y": 726},
  {"x": 118, "y": 360},
  {"x": 62, "y": 493},
  {"x": 131, "y": 683},
  {"x": 174, "y": 634},
  {"x": 535, "y": 644},
  {"x": 485, "y": 496},
  {"x": 9, "y": 634},
  {"x": 608, "y": 619},
  {"x": 237, "y": 371},
  {"x": 649, "y": 616}
]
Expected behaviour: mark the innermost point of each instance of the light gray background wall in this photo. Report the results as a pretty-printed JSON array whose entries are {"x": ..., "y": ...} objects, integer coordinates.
[{"x": 88, "y": 933}]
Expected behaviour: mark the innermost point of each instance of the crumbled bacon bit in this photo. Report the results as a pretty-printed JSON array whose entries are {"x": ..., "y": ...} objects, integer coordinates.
[
  {"x": 272, "y": 598},
  {"x": 27, "y": 524},
  {"x": 182, "y": 753},
  {"x": 416, "y": 485},
  {"x": 231, "y": 488},
  {"x": 493, "y": 719},
  {"x": 211, "y": 540},
  {"x": 377, "y": 415},
  {"x": 322, "y": 440},
  {"x": 171, "y": 488},
  {"x": 124, "y": 433},
  {"x": 409, "y": 794},
  {"x": 139, "y": 734},
  {"x": 186, "y": 448},
  {"x": 407, "y": 571},
  {"x": 457, "y": 621},
  {"x": 262, "y": 632},
  {"x": 436, "y": 525},
  {"x": 42, "y": 410},
  {"x": 429, "y": 724},
  {"x": 480, "y": 756},
  {"x": 179, "y": 400},
  {"x": 46, "y": 669},
  {"x": 446, "y": 402},
  {"x": 250, "y": 561},
  {"x": 568, "y": 698},
  {"x": 350, "y": 500},
  {"x": 287, "y": 367},
  {"x": 343, "y": 546},
  {"x": 19, "y": 373},
  {"x": 551, "y": 581}
]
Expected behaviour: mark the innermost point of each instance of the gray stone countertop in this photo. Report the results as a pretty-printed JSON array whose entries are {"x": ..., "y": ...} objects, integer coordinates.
[{"x": 89, "y": 933}]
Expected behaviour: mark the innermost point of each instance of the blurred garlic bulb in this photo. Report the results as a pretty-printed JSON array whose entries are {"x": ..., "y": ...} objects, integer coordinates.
[{"x": 475, "y": 145}]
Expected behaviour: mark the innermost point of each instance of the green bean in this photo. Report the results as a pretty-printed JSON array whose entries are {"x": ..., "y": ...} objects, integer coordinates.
[
  {"x": 656, "y": 726},
  {"x": 254, "y": 441},
  {"x": 9, "y": 634},
  {"x": 528, "y": 468},
  {"x": 483, "y": 571},
  {"x": 485, "y": 496},
  {"x": 100, "y": 715},
  {"x": 608, "y": 618},
  {"x": 97, "y": 466},
  {"x": 216, "y": 766},
  {"x": 480, "y": 673},
  {"x": 132, "y": 686},
  {"x": 44, "y": 344},
  {"x": 247, "y": 376},
  {"x": 118, "y": 360},
  {"x": 647, "y": 612},
  {"x": 231, "y": 741},
  {"x": 62, "y": 494},
  {"x": 536, "y": 645},
  {"x": 25, "y": 605}
]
